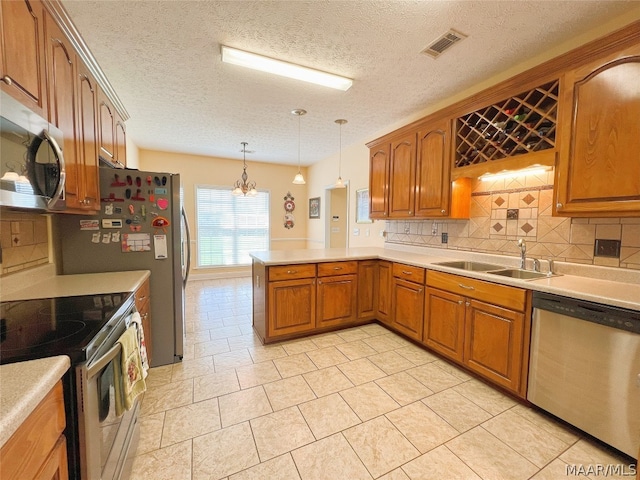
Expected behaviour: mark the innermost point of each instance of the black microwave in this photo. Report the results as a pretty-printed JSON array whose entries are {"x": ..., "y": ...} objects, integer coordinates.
[{"x": 31, "y": 161}]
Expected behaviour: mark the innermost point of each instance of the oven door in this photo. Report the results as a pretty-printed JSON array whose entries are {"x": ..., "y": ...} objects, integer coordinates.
[{"x": 107, "y": 442}]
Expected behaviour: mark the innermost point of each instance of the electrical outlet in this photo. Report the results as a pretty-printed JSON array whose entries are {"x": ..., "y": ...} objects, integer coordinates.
[
  {"x": 444, "y": 237},
  {"x": 607, "y": 248}
]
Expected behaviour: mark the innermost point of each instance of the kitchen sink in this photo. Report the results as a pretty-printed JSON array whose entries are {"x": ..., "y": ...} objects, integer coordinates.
[
  {"x": 472, "y": 266},
  {"x": 521, "y": 274}
]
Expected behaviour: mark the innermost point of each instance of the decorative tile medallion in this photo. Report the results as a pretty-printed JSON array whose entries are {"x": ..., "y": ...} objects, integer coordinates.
[
  {"x": 526, "y": 227},
  {"x": 499, "y": 201},
  {"x": 528, "y": 199},
  {"x": 497, "y": 227}
]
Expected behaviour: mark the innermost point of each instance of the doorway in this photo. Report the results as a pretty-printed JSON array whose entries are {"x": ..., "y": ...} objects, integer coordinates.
[{"x": 336, "y": 231}]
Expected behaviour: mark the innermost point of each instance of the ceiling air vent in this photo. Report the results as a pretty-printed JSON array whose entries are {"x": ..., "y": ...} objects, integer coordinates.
[{"x": 443, "y": 43}]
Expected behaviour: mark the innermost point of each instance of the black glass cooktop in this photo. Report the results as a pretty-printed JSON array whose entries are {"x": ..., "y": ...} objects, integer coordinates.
[{"x": 44, "y": 327}]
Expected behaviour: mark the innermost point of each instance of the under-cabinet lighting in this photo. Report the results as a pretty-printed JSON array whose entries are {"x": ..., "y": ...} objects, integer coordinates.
[
  {"x": 284, "y": 69},
  {"x": 489, "y": 177}
]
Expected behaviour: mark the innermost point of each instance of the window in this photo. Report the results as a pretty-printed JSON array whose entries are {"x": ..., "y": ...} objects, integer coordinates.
[{"x": 229, "y": 227}]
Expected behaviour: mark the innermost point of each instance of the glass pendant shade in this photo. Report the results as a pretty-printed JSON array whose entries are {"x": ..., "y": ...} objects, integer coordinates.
[
  {"x": 339, "y": 183},
  {"x": 299, "y": 179}
]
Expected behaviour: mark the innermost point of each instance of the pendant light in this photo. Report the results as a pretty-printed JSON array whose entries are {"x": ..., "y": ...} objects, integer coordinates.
[
  {"x": 299, "y": 179},
  {"x": 339, "y": 183},
  {"x": 242, "y": 186}
]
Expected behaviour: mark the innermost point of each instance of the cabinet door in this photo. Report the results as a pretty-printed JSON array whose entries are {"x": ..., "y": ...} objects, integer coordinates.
[
  {"x": 408, "y": 308},
  {"x": 337, "y": 300},
  {"x": 444, "y": 323},
  {"x": 61, "y": 70},
  {"x": 55, "y": 467},
  {"x": 121, "y": 142},
  {"x": 385, "y": 277},
  {"x": 87, "y": 138},
  {"x": 106, "y": 115},
  {"x": 402, "y": 173},
  {"x": 494, "y": 343},
  {"x": 433, "y": 177},
  {"x": 367, "y": 288},
  {"x": 22, "y": 53},
  {"x": 379, "y": 181},
  {"x": 599, "y": 167},
  {"x": 292, "y": 306}
]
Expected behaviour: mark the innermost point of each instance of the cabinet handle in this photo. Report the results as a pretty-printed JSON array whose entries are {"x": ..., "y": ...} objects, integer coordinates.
[
  {"x": 337, "y": 268},
  {"x": 291, "y": 272},
  {"x": 460, "y": 302},
  {"x": 7, "y": 79},
  {"x": 407, "y": 273},
  {"x": 466, "y": 287},
  {"x": 467, "y": 303},
  {"x": 142, "y": 298},
  {"x": 257, "y": 281},
  {"x": 559, "y": 206},
  {"x": 419, "y": 290}
]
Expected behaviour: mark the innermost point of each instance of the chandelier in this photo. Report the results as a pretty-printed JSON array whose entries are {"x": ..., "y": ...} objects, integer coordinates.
[{"x": 242, "y": 187}]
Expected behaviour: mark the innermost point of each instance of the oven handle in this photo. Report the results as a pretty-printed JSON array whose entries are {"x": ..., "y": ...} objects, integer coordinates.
[{"x": 97, "y": 366}]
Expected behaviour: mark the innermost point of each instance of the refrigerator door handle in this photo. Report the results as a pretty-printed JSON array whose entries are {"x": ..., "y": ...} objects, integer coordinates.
[{"x": 188, "y": 252}]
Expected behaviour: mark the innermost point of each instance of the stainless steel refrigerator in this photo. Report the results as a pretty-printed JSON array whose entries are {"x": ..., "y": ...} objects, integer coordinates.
[{"x": 141, "y": 226}]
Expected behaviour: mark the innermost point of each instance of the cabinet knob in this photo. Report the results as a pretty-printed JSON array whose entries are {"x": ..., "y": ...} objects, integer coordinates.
[
  {"x": 410, "y": 212},
  {"x": 443, "y": 211},
  {"x": 7, "y": 79},
  {"x": 559, "y": 206},
  {"x": 319, "y": 282},
  {"x": 460, "y": 302},
  {"x": 467, "y": 303},
  {"x": 140, "y": 299},
  {"x": 384, "y": 213}
]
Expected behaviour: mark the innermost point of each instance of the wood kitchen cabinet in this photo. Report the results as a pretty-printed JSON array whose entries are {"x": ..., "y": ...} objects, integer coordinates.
[
  {"x": 22, "y": 53},
  {"x": 598, "y": 170},
  {"x": 385, "y": 284},
  {"x": 121, "y": 142},
  {"x": 367, "y": 289},
  {"x": 38, "y": 448},
  {"x": 408, "y": 300},
  {"x": 379, "y": 181},
  {"x": 402, "y": 177},
  {"x": 291, "y": 299},
  {"x": 106, "y": 126},
  {"x": 483, "y": 325},
  {"x": 142, "y": 298},
  {"x": 337, "y": 293}
]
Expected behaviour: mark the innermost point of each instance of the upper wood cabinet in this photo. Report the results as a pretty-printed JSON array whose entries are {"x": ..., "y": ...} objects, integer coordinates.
[
  {"x": 379, "y": 181},
  {"x": 598, "y": 171},
  {"x": 433, "y": 170},
  {"x": 87, "y": 98},
  {"x": 402, "y": 177},
  {"x": 21, "y": 53},
  {"x": 107, "y": 124},
  {"x": 121, "y": 142}
]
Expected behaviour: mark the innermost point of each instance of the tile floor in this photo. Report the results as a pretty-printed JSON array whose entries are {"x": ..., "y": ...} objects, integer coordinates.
[{"x": 355, "y": 404}]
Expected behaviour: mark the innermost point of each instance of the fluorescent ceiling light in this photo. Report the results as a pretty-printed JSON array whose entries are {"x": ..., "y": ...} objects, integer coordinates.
[
  {"x": 537, "y": 170},
  {"x": 284, "y": 69}
]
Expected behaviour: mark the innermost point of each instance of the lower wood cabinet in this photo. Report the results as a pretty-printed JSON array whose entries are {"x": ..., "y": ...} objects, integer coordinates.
[
  {"x": 385, "y": 280},
  {"x": 337, "y": 300},
  {"x": 292, "y": 307},
  {"x": 444, "y": 329},
  {"x": 408, "y": 300},
  {"x": 367, "y": 289}
]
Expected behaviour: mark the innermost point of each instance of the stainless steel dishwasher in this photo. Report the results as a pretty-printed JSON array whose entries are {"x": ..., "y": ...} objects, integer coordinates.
[{"x": 585, "y": 367}]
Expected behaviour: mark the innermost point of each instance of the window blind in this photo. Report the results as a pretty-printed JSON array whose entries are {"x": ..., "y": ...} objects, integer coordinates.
[{"x": 229, "y": 227}]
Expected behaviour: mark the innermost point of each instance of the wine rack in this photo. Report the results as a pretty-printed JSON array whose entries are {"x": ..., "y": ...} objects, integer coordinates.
[{"x": 521, "y": 124}]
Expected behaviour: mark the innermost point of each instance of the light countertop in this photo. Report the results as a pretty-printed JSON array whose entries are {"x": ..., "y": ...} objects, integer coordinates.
[
  {"x": 609, "y": 286},
  {"x": 23, "y": 385}
]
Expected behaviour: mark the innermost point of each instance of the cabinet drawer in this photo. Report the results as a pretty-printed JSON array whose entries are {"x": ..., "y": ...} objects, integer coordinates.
[
  {"x": 337, "y": 268},
  {"x": 142, "y": 295},
  {"x": 291, "y": 272},
  {"x": 407, "y": 272},
  {"x": 493, "y": 293}
]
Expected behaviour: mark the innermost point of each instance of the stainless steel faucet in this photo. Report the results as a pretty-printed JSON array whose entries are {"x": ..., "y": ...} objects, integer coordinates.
[
  {"x": 523, "y": 253},
  {"x": 536, "y": 265}
]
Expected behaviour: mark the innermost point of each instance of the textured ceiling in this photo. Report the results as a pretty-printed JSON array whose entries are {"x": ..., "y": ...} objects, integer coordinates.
[{"x": 163, "y": 60}]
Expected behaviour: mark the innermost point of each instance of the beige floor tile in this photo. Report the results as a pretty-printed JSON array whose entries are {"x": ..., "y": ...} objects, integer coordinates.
[
  {"x": 380, "y": 445},
  {"x": 288, "y": 392},
  {"x": 280, "y": 432},
  {"x": 247, "y": 340},
  {"x": 375, "y": 329},
  {"x": 557, "y": 470},
  {"x": 191, "y": 338},
  {"x": 397, "y": 474},
  {"x": 536, "y": 445},
  {"x": 265, "y": 353},
  {"x": 440, "y": 464},
  {"x": 589, "y": 454},
  {"x": 257, "y": 374},
  {"x": 243, "y": 405},
  {"x": 159, "y": 376},
  {"x": 328, "y": 415},
  {"x": 458, "y": 411},
  {"x": 164, "y": 397},
  {"x": 352, "y": 334},
  {"x": 403, "y": 388},
  {"x": 453, "y": 370},
  {"x": 150, "y": 433},
  {"x": 327, "y": 357},
  {"x": 417, "y": 355},
  {"x": 279, "y": 468},
  {"x": 383, "y": 343},
  {"x": 326, "y": 381},
  {"x": 233, "y": 359},
  {"x": 422, "y": 426},
  {"x": 361, "y": 371},
  {"x": 433, "y": 377},
  {"x": 331, "y": 458},
  {"x": 171, "y": 463},
  {"x": 215, "y": 385},
  {"x": 369, "y": 401},
  {"x": 196, "y": 367},
  {"x": 225, "y": 332},
  {"x": 295, "y": 347},
  {"x": 326, "y": 340},
  {"x": 390, "y": 362},
  {"x": 356, "y": 350},
  {"x": 188, "y": 353},
  {"x": 484, "y": 396},
  {"x": 213, "y": 347},
  {"x": 190, "y": 421},
  {"x": 215, "y": 455},
  {"x": 545, "y": 422},
  {"x": 294, "y": 365},
  {"x": 489, "y": 457}
]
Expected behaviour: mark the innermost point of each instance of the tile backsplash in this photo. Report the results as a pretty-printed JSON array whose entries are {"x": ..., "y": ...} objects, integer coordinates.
[
  {"x": 505, "y": 210},
  {"x": 24, "y": 239}
]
